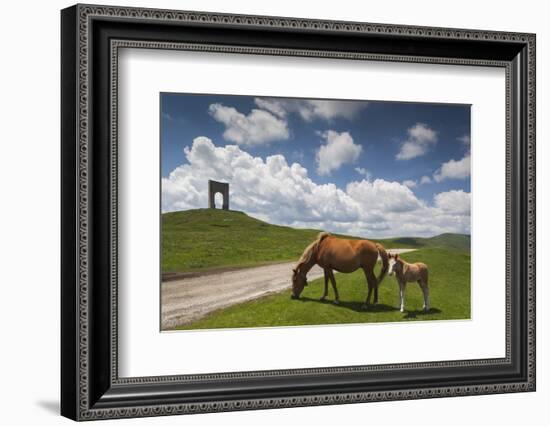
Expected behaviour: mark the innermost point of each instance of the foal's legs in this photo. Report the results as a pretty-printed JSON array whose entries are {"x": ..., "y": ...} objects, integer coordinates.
[
  {"x": 402, "y": 285},
  {"x": 333, "y": 282},
  {"x": 325, "y": 293},
  {"x": 426, "y": 292}
]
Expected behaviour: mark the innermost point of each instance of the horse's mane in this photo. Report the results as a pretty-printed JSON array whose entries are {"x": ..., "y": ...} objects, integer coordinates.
[{"x": 308, "y": 252}]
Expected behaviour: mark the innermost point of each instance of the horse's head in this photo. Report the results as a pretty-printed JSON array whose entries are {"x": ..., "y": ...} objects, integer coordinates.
[
  {"x": 299, "y": 281},
  {"x": 396, "y": 264}
]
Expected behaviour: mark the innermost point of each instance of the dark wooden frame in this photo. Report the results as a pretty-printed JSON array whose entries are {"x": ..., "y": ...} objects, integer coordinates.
[{"x": 91, "y": 37}]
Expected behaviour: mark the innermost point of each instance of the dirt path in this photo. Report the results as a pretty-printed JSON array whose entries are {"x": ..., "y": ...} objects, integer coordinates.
[{"x": 188, "y": 299}]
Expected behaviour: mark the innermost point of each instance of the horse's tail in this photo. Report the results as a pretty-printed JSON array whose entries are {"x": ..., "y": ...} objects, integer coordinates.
[{"x": 385, "y": 262}]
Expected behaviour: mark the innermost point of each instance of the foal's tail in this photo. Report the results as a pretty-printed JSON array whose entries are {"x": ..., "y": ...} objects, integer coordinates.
[{"x": 385, "y": 263}]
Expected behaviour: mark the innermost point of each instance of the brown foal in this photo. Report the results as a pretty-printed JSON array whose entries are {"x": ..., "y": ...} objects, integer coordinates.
[{"x": 410, "y": 272}]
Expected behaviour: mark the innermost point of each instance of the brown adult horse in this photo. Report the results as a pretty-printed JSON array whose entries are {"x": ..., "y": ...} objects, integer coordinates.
[{"x": 341, "y": 255}]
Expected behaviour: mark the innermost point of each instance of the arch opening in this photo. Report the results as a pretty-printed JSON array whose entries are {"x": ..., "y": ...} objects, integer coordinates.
[{"x": 218, "y": 200}]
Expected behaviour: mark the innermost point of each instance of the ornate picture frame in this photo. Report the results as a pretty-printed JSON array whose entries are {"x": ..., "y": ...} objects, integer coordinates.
[{"x": 91, "y": 37}]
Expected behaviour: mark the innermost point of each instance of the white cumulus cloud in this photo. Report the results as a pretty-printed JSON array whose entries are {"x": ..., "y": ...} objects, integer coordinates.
[
  {"x": 257, "y": 128},
  {"x": 269, "y": 188},
  {"x": 425, "y": 179},
  {"x": 420, "y": 139},
  {"x": 465, "y": 139},
  {"x": 274, "y": 106},
  {"x": 273, "y": 190},
  {"x": 454, "y": 202},
  {"x": 338, "y": 150},
  {"x": 454, "y": 169},
  {"x": 409, "y": 183},
  {"x": 383, "y": 196},
  {"x": 363, "y": 172},
  {"x": 309, "y": 109}
]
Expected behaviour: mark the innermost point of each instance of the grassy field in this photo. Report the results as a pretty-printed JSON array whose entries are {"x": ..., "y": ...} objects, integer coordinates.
[
  {"x": 449, "y": 293},
  {"x": 202, "y": 239}
]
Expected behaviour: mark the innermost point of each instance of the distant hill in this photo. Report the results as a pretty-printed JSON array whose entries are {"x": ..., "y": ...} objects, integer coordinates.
[
  {"x": 200, "y": 239},
  {"x": 447, "y": 240}
]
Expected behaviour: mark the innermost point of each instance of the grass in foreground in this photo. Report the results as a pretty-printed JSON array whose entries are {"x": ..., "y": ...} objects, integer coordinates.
[
  {"x": 202, "y": 239},
  {"x": 449, "y": 293}
]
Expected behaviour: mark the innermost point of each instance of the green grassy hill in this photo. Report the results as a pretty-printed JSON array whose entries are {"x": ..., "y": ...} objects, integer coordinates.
[
  {"x": 202, "y": 239},
  {"x": 208, "y": 238}
]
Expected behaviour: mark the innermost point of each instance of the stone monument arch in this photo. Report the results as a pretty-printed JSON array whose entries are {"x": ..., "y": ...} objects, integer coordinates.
[{"x": 215, "y": 187}]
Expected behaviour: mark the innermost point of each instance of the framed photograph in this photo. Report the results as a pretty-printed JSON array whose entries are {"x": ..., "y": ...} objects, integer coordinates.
[
  {"x": 293, "y": 180},
  {"x": 263, "y": 212}
]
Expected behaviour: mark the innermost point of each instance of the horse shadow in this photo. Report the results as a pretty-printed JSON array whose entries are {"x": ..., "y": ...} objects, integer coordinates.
[
  {"x": 380, "y": 307},
  {"x": 353, "y": 306},
  {"x": 420, "y": 312}
]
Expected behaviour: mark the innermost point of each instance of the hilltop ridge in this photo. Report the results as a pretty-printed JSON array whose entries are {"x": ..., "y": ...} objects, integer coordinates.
[{"x": 202, "y": 239}]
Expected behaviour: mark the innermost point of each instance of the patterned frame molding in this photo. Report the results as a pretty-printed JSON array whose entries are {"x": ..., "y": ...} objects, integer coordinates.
[
  {"x": 87, "y": 397},
  {"x": 116, "y": 45}
]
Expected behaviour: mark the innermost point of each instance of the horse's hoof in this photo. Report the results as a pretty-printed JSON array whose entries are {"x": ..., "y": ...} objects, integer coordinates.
[
  {"x": 323, "y": 299},
  {"x": 402, "y": 310},
  {"x": 336, "y": 302},
  {"x": 365, "y": 307}
]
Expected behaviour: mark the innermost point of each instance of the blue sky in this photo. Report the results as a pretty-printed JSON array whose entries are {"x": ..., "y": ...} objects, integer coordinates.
[{"x": 379, "y": 163}]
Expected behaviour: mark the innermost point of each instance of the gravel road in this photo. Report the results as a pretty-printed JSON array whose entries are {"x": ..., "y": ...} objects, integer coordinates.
[{"x": 188, "y": 299}]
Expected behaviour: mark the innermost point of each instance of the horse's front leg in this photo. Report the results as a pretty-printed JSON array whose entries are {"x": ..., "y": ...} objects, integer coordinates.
[
  {"x": 325, "y": 293},
  {"x": 333, "y": 282}
]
